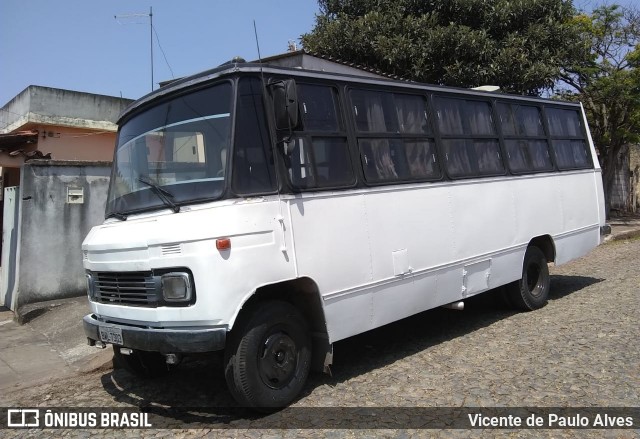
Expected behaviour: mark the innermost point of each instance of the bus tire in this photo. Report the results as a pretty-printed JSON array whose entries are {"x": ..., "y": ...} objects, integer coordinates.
[
  {"x": 268, "y": 358},
  {"x": 140, "y": 363},
  {"x": 531, "y": 292}
]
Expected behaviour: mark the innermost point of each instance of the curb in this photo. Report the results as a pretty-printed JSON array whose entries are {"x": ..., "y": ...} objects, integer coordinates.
[
  {"x": 102, "y": 360},
  {"x": 621, "y": 236},
  {"x": 629, "y": 234},
  {"x": 26, "y": 313}
]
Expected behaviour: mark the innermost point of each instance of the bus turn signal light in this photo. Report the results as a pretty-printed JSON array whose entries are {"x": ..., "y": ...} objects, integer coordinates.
[{"x": 223, "y": 243}]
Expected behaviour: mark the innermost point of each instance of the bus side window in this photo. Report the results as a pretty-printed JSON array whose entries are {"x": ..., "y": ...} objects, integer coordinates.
[
  {"x": 524, "y": 138},
  {"x": 567, "y": 138},
  {"x": 469, "y": 137},
  {"x": 563, "y": 123},
  {"x": 318, "y": 108},
  {"x": 301, "y": 173},
  {"x": 421, "y": 158},
  {"x": 394, "y": 136},
  {"x": 378, "y": 159},
  {"x": 458, "y": 157},
  {"x": 319, "y": 157},
  {"x": 571, "y": 153}
]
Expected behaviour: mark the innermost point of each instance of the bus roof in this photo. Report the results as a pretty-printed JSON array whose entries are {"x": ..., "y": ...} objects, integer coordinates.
[{"x": 233, "y": 68}]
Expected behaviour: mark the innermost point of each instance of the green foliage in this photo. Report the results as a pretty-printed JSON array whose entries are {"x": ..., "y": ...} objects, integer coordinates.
[
  {"x": 607, "y": 81},
  {"x": 518, "y": 45}
]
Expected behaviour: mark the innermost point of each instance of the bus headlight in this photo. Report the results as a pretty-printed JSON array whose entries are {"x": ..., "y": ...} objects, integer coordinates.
[
  {"x": 176, "y": 287},
  {"x": 90, "y": 286}
]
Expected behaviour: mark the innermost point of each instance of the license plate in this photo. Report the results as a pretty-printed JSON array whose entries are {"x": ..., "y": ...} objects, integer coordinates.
[{"x": 109, "y": 334}]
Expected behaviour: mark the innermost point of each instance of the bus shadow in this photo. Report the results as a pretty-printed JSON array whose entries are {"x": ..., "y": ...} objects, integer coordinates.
[
  {"x": 198, "y": 384},
  {"x": 562, "y": 286},
  {"x": 383, "y": 346}
]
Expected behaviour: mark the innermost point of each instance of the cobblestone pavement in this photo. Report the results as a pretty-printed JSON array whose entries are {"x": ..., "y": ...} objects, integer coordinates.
[{"x": 582, "y": 349}]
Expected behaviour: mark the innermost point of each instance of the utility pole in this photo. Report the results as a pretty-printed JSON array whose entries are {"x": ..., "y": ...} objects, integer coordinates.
[
  {"x": 150, "y": 15},
  {"x": 151, "y": 41}
]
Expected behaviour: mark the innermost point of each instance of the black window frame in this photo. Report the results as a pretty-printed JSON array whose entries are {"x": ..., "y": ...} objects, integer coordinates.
[
  {"x": 582, "y": 137},
  {"x": 514, "y": 137},
  {"x": 308, "y": 135},
  {"x": 349, "y": 131},
  {"x": 441, "y": 137},
  {"x": 429, "y": 137}
]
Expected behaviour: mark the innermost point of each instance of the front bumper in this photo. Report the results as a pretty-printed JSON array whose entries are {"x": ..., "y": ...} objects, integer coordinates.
[{"x": 163, "y": 340}]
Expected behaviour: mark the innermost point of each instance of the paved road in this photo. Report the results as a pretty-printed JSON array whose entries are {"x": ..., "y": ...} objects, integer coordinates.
[{"x": 583, "y": 349}]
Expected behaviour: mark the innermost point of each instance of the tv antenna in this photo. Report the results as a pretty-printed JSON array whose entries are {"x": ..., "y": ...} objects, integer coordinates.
[{"x": 135, "y": 16}]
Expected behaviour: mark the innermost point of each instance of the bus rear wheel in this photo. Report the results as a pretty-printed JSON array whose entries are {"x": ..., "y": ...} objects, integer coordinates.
[
  {"x": 532, "y": 290},
  {"x": 268, "y": 358}
]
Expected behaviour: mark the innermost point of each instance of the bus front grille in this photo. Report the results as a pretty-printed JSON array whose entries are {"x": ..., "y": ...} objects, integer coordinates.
[{"x": 126, "y": 288}]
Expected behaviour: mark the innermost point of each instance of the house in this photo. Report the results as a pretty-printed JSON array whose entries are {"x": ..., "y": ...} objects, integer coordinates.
[
  {"x": 56, "y": 148},
  {"x": 303, "y": 59},
  {"x": 70, "y": 125}
]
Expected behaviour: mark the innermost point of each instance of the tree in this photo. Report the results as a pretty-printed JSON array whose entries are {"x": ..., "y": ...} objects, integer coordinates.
[
  {"x": 607, "y": 82},
  {"x": 517, "y": 45}
]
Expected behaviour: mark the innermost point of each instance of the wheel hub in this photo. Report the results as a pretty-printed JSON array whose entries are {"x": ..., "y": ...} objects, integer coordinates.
[
  {"x": 533, "y": 278},
  {"x": 278, "y": 361}
]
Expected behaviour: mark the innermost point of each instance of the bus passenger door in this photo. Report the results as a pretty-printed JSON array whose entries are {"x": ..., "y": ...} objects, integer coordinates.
[
  {"x": 328, "y": 216},
  {"x": 330, "y": 238}
]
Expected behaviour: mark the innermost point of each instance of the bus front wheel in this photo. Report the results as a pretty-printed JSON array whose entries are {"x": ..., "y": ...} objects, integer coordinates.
[
  {"x": 268, "y": 358},
  {"x": 532, "y": 290}
]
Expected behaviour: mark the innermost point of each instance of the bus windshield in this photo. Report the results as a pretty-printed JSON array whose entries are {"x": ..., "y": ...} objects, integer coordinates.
[{"x": 172, "y": 154}]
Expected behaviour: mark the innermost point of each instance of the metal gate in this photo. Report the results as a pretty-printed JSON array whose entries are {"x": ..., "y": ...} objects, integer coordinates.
[{"x": 10, "y": 231}]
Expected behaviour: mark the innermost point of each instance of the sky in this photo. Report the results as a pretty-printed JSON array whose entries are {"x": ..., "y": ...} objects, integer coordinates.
[{"x": 79, "y": 45}]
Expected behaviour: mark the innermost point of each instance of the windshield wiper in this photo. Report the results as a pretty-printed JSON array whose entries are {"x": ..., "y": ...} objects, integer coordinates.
[
  {"x": 163, "y": 194},
  {"x": 117, "y": 215}
]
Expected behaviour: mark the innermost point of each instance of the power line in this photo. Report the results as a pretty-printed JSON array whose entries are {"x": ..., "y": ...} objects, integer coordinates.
[{"x": 162, "y": 50}]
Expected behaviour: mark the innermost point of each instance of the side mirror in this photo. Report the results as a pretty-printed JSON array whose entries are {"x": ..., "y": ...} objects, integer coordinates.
[{"x": 285, "y": 104}]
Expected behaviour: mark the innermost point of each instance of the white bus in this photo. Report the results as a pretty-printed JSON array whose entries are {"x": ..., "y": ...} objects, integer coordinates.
[{"x": 269, "y": 212}]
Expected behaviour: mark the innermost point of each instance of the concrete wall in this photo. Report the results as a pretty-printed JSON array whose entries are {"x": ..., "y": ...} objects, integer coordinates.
[
  {"x": 625, "y": 193},
  {"x": 620, "y": 189},
  {"x": 634, "y": 164},
  {"x": 71, "y": 125},
  {"x": 53, "y": 106},
  {"x": 75, "y": 144},
  {"x": 64, "y": 143},
  {"x": 52, "y": 230}
]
